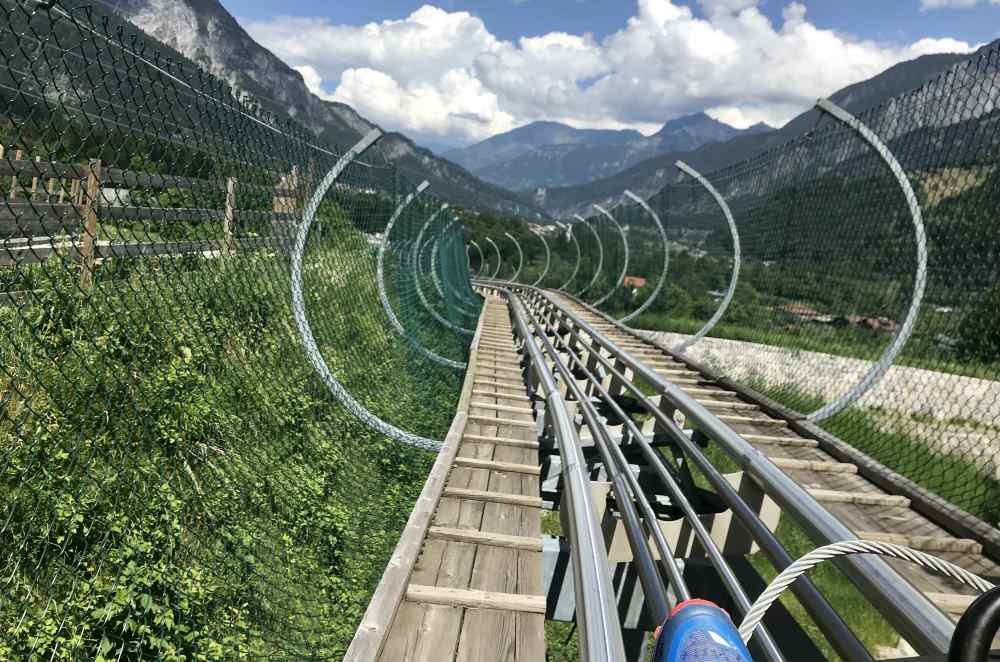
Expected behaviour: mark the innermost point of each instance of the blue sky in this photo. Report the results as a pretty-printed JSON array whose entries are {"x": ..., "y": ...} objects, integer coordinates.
[
  {"x": 510, "y": 19},
  {"x": 454, "y": 71}
]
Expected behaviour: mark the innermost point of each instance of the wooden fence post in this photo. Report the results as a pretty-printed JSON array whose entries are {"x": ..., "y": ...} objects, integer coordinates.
[
  {"x": 227, "y": 218},
  {"x": 34, "y": 183},
  {"x": 89, "y": 211},
  {"x": 13, "y": 180},
  {"x": 284, "y": 203}
]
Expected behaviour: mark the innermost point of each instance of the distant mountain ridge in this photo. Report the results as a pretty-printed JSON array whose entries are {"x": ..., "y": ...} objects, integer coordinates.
[
  {"x": 204, "y": 32},
  {"x": 649, "y": 176},
  {"x": 543, "y": 154}
]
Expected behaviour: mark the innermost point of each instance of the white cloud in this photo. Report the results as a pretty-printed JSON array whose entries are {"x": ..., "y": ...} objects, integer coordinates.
[
  {"x": 955, "y": 4},
  {"x": 444, "y": 75}
]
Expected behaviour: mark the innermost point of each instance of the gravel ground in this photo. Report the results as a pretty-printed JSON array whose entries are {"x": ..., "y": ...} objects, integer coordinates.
[{"x": 950, "y": 412}]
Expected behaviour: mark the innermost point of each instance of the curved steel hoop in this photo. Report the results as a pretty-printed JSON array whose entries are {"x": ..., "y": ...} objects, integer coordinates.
[
  {"x": 735, "y": 277},
  {"x": 666, "y": 258},
  {"x": 520, "y": 258},
  {"x": 384, "y": 297},
  {"x": 880, "y": 367},
  {"x": 576, "y": 267},
  {"x": 302, "y": 324},
  {"x": 415, "y": 260},
  {"x": 621, "y": 233},
  {"x": 482, "y": 258},
  {"x": 600, "y": 254},
  {"x": 499, "y": 258},
  {"x": 548, "y": 256}
]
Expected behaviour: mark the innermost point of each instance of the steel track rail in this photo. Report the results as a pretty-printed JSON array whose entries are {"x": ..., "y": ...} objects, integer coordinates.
[
  {"x": 827, "y": 619},
  {"x": 911, "y": 612},
  {"x": 597, "y": 615}
]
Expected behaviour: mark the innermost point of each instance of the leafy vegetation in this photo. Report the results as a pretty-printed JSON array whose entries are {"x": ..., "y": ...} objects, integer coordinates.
[{"x": 177, "y": 483}]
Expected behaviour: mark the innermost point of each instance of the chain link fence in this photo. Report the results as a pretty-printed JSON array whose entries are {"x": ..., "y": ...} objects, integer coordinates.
[
  {"x": 881, "y": 324},
  {"x": 177, "y": 480}
]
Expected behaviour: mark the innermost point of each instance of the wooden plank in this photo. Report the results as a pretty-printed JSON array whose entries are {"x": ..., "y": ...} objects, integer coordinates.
[
  {"x": 495, "y": 497},
  {"x": 482, "y": 538},
  {"x": 492, "y": 465},
  {"x": 381, "y": 612},
  {"x": 748, "y": 420},
  {"x": 861, "y": 499},
  {"x": 488, "y": 636},
  {"x": 135, "y": 179},
  {"x": 500, "y": 441},
  {"x": 530, "y": 637},
  {"x": 504, "y": 396},
  {"x": 171, "y": 214},
  {"x": 486, "y": 420},
  {"x": 471, "y": 599},
  {"x": 482, "y": 380},
  {"x": 781, "y": 441},
  {"x": 16, "y": 167},
  {"x": 507, "y": 408},
  {"x": 812, "y": 465},
  {"x": 925, "y": 543},
  {"x": 952, "y": 603}
]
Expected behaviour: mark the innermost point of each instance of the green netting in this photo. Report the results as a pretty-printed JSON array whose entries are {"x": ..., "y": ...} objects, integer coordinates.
[
  {"x": 830, "y": 270},
  {"x": 176, "y": 480}
]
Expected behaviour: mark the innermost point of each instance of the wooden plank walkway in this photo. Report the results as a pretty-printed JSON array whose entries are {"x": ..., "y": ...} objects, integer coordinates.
[
  {"x": 864, "y": 507},
  {"x": 474, "y": 592}
]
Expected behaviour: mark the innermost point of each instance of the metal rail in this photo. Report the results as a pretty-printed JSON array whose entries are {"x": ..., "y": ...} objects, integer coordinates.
[
  {"x": 910, "y": 611},
  {"x": 827, "y": 619},
  {"x": 597, "y": 614}
]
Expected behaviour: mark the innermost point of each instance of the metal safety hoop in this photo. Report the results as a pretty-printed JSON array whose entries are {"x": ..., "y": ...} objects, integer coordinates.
[
  {"x": 666, "y": 258},
  {"x": 881, "y": 367},
  {"x": 621, "y": 277},
  {"x": 302, "y": 324},
  {"x": 600, "y": 254},
  {"x": 548, "y": 256},
  {"x": 735, "y": 277}
]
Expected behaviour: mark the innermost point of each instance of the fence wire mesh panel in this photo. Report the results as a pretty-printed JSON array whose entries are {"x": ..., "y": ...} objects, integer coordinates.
[
  {"x": 835, "y": 280},
  {"x": 177, "y": 481}
]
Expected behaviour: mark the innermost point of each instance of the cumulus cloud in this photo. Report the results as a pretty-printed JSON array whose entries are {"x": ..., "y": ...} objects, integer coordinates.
[{"x": 444, "y": 75}]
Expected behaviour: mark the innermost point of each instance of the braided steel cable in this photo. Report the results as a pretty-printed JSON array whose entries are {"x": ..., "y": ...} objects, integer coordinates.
[{"x": 803, "y": 565}]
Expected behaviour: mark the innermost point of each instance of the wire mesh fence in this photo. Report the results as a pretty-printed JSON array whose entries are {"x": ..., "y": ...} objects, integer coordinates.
[
  {"x": 837, "y": 274},
  {"x": 178, "y": 482}
]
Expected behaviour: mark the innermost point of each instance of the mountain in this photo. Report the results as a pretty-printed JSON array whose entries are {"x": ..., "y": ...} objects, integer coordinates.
[
  {"x": 204, "y": 32},
  {"x": 544, "y": 154},
  {"x": 522, "y": 140},
  {"x": 649, "y": 176}
]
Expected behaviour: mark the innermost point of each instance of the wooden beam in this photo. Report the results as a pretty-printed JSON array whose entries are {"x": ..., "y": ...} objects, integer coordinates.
[
  {"x": 492, "y": 465},
  {"x": 486, "y": 420},
  {"x": 781, "y": 441},
  {"x": 494, "y": 497},
  {"x": 455, "y": 597},
  {"x": 502, "y": 396},
  {"x": 748, "y": 420},
  {"x": 859, "y": 498},
  {"x": 513, "y": 410},
  {"x": 500, "y": 441},
  {"x": 925, "y": 543},
  {"x": 482, "y": 538},
  {"x": 818, "y": 466}
]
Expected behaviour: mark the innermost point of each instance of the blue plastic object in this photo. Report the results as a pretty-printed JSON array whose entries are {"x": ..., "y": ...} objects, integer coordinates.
[{"x": 699, "y": 631}]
